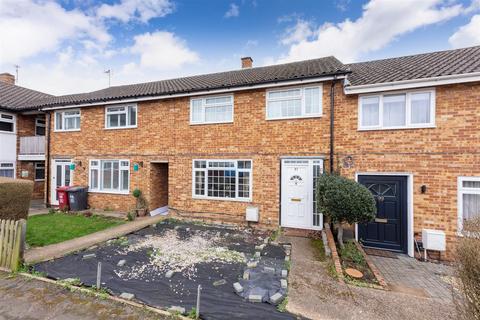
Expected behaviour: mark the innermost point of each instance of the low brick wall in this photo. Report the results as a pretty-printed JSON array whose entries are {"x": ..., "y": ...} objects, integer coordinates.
[
  {"x": 335, "y": 257},
  {"x": 372, "y": 267}
]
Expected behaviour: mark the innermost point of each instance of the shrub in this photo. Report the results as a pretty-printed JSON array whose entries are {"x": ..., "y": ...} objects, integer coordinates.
[
  {"x": 15, "y": 196},
  {"x": 468, "y": 271},
  {"x": 343, "y": 200}
]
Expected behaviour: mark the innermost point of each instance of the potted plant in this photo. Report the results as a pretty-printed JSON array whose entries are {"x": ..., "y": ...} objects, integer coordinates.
[{"x": 141, "y": 203}]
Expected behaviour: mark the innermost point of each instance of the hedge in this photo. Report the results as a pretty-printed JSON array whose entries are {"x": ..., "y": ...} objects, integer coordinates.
[{"x": 15, "y": 196}]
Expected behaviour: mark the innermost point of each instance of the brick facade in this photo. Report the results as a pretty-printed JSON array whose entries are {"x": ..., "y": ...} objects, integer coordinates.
[
  {"x": 435, "y": 156},
  {"x": 26, "y": 169}
]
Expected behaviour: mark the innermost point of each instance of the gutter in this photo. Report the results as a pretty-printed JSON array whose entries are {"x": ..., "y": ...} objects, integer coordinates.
[
  {"x": 414, "y": 83},
  {"x": 332, "y": 123},
  {"x": 47, "y": 160},
  {"x": 197, "y": 93}
]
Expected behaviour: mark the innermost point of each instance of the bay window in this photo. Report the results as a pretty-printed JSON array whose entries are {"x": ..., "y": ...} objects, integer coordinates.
[
  {"x": 468, "y": 199},
  {"x": 211, "y": 110},
  {"x": 111, "y": 176},
  {"x": 222, "y": 179},
  {"x": 294, "y": 103},
  {"x": 415, "y": 109},
  {"x": 117, "y": 117}
]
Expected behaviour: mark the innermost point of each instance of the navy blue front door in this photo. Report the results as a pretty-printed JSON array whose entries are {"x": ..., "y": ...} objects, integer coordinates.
[{"x": 389, "y": 229}]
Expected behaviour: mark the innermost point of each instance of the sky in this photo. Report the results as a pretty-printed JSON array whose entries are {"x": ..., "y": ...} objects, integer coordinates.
[{"x": 65, "y": 46}]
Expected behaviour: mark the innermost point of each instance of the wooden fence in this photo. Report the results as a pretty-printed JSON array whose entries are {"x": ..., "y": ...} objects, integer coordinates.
[{"x": 12, "y": 239}]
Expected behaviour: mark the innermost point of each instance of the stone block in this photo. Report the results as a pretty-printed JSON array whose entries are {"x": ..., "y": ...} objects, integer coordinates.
[
  {"x": 246, "y": 275},
  {"x": 269, "y": 270},
  {"x": 255, "y": 298},
  {"x": 219, "y": 282},
  {"x": 169, "y": 274},
  {"x": 276, "y": 298},
  {"x": 252, "y": 264},
  {"x": 127, "y": 296},
  {"x": 284, "y": 273},
  {"x": 238, "y": 287},
  {"x": 176, "y": 309},
  {"x": 121, "y": 263},
  {"x": 283, "y": 283}
]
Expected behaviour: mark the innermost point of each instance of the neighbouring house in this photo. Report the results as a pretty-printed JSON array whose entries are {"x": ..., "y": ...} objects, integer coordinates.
[
  {"x": 22, "y": 134},
  {"x": 233, "y": 145}
]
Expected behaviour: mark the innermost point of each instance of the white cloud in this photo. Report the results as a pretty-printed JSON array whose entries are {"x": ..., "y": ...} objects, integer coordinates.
[
  {"x": 162, "y": 50},
  {"x": 301, "y": 30},
  {"x": 233, "y": 11},
  {"x": 467, "y": 35},
  {"x": 382, "y": 21},
  {"x": 29, "y": 28},
  {"x": 141, "y": 10}
]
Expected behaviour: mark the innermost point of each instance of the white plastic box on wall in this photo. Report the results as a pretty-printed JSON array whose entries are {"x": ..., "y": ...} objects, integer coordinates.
[
  {"x": 251, "y": 214},
  {"x": 433, "y": 240}
]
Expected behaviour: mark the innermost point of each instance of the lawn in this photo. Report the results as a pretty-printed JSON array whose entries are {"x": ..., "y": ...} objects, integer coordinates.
[{"x": 52, "y": 228}]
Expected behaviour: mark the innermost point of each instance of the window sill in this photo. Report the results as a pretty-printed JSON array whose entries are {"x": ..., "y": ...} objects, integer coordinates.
[
  {"x": 121, "y": 128},
  {"x": 398, "y": 128},
  {"x": 72, "y": 130},
  {"x": 209, "y": 123},
  {"x": 221, "y": 199},
  {"x": 7, "y": 132},
  {"x": 110, "y": 192},
  {"x": 293, "y": 118}
]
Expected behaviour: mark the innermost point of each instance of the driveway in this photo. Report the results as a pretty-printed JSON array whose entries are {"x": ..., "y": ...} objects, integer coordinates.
[
  {"x": 316, "y": 295},
  {"x": 29, "y": 299}
]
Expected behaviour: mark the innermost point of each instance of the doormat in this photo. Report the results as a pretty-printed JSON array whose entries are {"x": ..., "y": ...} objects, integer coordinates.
[{"x": 380, "y": 253}]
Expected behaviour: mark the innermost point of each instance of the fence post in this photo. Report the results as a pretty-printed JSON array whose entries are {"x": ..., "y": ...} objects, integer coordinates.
[
  {"x": 23, "y": 224},
  {"x": 99, "y": 276},
  {"x": 17, "y": 232},
  {"x": 197, "y": 310}
]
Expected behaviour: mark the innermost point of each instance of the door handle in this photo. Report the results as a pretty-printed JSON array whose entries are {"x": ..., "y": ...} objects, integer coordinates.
[
  {"x": 380, "y": 220},
  {"x": 296, "y": 199}
]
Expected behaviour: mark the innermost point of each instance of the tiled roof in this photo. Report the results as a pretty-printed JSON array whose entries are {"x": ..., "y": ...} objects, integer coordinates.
[
  {"x": 17, "y": 98},
  {"x": 222, "y": 80},
  {"x": 419, "y": 66}
]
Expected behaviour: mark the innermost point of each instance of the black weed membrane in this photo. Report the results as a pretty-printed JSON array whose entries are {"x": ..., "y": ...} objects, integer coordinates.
[{"x": 163, "y": 265}]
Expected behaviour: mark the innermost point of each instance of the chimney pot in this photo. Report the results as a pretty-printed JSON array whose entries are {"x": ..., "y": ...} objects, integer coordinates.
[
  {"x": 247, "y": 62},
  {"x": 7, "y": 78}
]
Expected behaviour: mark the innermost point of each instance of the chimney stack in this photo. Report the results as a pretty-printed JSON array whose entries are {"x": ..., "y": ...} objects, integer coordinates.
[
  {"x": 247, "y": 62},
  {"x": 7, "y": 78}
]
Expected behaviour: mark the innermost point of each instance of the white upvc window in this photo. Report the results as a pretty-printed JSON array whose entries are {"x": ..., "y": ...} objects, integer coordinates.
[
  {"x": 39, "y": 171},
  {"x": 109, "y": 176},
  {"x": 7, "y": 122},
  {"x": 297, "y": 102},
  {"x": 120, "y": 117},
  {"x": 67, "y": 120},
  {"x": 399, "y": 110},
  {"x": 215, "y": 109},
  {"x": 222, "y": 179},
  {"x": 7, "y": 169},
  {"x": 468, "y": 199}
]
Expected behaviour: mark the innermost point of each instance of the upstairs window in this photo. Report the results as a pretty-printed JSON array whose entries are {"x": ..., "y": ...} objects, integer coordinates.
[
  {"x": 40, "y": 126},
  {"x": 222, "y": 179},
  {"x": 110, "y": 176},
  {"x": 397, "y": 111},
  {"x": 468, "y": 199},
  {"x": 7, "y": 122},
  {"x": 67, "y": 120},
  {"x": 121, "y": 117},
  {"x": 211, "y": 110},
  {"x": 294, "y": 103}
]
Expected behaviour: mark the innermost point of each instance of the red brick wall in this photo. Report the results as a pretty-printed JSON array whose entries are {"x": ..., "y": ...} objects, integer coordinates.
[
  {"x": 164, "y": 133},
  {"x": 435, "y": 156},
  {"x": 26, "y": 128}
]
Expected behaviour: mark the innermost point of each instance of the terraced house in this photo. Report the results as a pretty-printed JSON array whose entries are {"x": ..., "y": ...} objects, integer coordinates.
[
  {"x": 249, "y": 144},
  {"x": 22, "y": 134}
]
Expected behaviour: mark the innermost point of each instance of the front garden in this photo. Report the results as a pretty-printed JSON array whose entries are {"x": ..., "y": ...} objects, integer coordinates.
[{"x": 57, "y": 227}]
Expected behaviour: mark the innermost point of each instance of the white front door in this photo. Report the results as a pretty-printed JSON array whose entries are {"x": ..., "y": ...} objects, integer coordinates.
[
  {"x": 61, "y": 176},
  {"x": 298, "y": 197}
]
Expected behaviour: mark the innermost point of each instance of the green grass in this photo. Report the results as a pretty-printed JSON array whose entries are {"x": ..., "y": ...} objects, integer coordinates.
[{"x": 53, "y": 228}]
